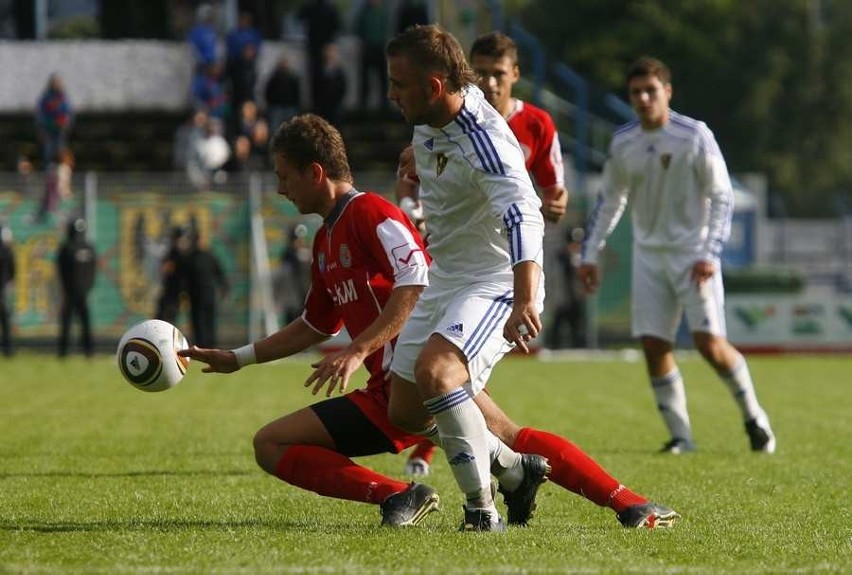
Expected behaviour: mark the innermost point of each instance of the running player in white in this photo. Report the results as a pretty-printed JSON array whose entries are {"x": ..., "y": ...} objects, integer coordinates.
[
  {"x": 671, "y": 168},
  {"x": 485, "y": 289}
]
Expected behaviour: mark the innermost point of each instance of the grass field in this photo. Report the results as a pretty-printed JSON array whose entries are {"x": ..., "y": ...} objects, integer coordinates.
[{"x": 97, "y": 477}]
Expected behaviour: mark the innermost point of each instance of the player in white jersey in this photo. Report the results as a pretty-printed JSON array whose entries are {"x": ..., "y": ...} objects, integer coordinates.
[
  {"x": 485, "y": 289},
  {"x": 673, "y": 172}
]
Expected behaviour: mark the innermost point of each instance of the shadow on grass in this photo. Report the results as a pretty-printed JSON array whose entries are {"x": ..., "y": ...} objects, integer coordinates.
[
  {"x": 169, "y": 525},
  {"x": 148, "y": 473}
]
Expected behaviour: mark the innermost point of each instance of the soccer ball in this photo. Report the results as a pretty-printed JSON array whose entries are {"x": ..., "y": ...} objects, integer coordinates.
[{"x": 147, "y": 355}]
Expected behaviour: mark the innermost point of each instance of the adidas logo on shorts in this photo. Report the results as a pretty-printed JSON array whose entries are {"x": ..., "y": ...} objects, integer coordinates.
[{"x": 456, "y": 329}]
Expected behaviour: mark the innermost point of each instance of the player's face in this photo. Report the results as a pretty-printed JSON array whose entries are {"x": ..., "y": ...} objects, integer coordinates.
[
  {"x": 650, "y": 99},
  {"x": 409, "y": 89},
  {"x": 496, "y": 78},
  {"x": 296, "y": 185}
]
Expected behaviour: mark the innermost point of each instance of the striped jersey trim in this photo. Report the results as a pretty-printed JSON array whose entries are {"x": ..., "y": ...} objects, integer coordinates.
[
  {"x": 512, "y": 219},
  {"x": 482, "y": 144},
  {"x": 493, "y": 319}
]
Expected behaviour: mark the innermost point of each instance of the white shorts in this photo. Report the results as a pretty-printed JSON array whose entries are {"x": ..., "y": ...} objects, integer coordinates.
[
  {"x": 662, "y": 292},
  {"x": 470, "y": 317}
]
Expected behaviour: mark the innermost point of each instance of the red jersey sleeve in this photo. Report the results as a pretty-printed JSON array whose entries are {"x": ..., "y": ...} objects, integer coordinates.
[{"x": 320, "y": 311}]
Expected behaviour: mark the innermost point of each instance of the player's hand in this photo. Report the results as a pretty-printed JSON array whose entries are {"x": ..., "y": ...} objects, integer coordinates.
[
  {"x": 523, "y": 325},
  {"x": 334, "y": 369},
  {"x": 554, "y": 202},
  {"x": 217, "y": 360},
  {"x": 702, "y": 270},
  {"x": 590, "y": 277}
]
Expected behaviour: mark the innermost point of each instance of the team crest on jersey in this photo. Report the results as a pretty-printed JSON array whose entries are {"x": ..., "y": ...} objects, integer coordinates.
[
  {"x": 665, "y": 160},
  {"x": 345, "y": 256},
  {"x": 321, "y": 261},
  {"x": 442, "y": 163}
]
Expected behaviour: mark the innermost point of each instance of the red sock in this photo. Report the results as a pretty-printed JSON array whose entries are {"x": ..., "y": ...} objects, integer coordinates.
[
  {"x": 331, "y": 474},
  {"x": 575, "y": 470},
  {"x": 425, "y": 450}
]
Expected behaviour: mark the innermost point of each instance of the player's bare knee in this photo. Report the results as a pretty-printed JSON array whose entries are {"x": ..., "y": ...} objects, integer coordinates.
[{"x": 266, "y": 451}]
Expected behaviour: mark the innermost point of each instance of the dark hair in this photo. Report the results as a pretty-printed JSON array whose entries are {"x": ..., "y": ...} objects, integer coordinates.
[
  {"x": 434, "y": 50},
  {"x": 648, "y": 66},
  {"x": 495, "y": 45},
  {"x": 306, "y": 139}
]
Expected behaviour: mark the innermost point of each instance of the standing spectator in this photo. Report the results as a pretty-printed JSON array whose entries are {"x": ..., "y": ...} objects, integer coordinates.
[
  {"x": 322, "y": 21},
  {"x": 208, "y": 92},
  {"x": 243, "y": 46},
  {"x": 209, "y": 155},
  {"x": 203, "y": 39},
  {"x": 571, "y": 311},
  {"x": 172, "y": 275},
  {"x": 54, "y": 118},
  {"x": 57, "y": 185},
  {"x": 77, "y": 263},
  {"x": 283, "y": 94},
  {"x": 205, "y": 282},
  {"x": 7, "y": 274},
  {"x": 295, "y": 273},
  {"x": 670, "y": 168},
  {"x": 186, "y": 138},
  {"x": 371, "y": 27},
  {"x": 251, "y": 139},
  {"x": 329, "y": 103}
]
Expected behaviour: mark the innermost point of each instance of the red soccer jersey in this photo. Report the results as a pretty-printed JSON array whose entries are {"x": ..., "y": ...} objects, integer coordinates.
[
  {"x": 535, "y": 131},
  {"x": 365, "y": 248}
]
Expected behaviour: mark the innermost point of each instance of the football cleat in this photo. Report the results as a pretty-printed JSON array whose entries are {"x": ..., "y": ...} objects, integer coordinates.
[
  {"x": 482, "y": 520},
  {"x": 417, "y": 467},
  {"x": 520, "y": 502},
  {"x": 760, "y": 435},
  {"x": 649, "y": 516},
  {"x": 409, "y": 507},
  {"x": 677, "y": 446}
]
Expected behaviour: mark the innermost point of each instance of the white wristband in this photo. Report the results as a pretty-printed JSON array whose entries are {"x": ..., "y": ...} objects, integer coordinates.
[{"x": 245, "y": 355}]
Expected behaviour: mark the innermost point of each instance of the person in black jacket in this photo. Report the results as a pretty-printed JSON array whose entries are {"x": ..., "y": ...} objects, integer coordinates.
[
  {"x": 205, "y": 280},
  {"x": 77, "y": 263},
  {"x": 7, "y": 274},
  {"x": 172, "y": 275}
]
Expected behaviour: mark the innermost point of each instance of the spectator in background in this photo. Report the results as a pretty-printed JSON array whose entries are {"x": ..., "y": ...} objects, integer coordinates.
[
  {"x": 371, "y": 27},
  {"x": 243, "y": 47},
  {"x": 208, "y": 92},
  {"x": 283, "y": 94},
  {"x": 209, "y": 155},
  {"x": 54, "y": 118},
  {"x": 571, "y": 311},
  {"x": 77, "y": 263},
  {"x": 295, "y": 273},
  {"x": 7, "y": 274},
  {"x": 322, "y": 22},
  {"x": 57, "y": 185},
  {"x": 329, "y": 103},
  {"x": 172, "y": 272},
  {"x": 411, "y": 13},
  {"x": 186, "y": 138},
  {"x": 251, "y": 139},
  {"x": 203, "y": 39},
  {"x": 205, "y": 283}
]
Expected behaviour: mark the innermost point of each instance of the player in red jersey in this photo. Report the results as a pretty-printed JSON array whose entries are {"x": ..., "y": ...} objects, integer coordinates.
[
  {"x": 368, "y": 270},
  {"x": 494, "y": 57}
]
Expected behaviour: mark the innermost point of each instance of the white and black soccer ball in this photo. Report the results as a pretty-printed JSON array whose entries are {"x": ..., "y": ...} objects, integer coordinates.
[{"x": 147, "y": 355}]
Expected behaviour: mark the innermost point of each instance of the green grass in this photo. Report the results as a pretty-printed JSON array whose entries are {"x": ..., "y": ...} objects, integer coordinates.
[{"x": 97, "y": 477}]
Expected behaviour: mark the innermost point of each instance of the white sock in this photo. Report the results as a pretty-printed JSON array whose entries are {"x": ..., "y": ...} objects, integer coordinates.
[
  {"x": 671, "y": 401},
  {"x": 506, "y": 464},
  {"x": 739, "y": 382},
  {"x": 464, "y": 437}
]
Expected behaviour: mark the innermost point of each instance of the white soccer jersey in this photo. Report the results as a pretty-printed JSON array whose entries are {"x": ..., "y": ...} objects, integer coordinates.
[
  {"x": 480, "y": 206},
  {"x": 678, "y": 186}
]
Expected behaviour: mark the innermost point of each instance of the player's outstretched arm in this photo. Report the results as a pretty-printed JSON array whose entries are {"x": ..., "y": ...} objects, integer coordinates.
[
  {"x": 292, "y": 338},
  {"x": 336, "y": 369},
  {"x": 554, "y": 202}
]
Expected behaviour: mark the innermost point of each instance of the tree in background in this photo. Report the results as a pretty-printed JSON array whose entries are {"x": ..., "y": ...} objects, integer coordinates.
[{"x": 770, "y": 76}]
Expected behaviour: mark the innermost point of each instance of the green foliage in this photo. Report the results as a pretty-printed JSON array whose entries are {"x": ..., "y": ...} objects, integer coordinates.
[
  {"x": 770, "y": 77},
  {"x": 97, "y": 477}
]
